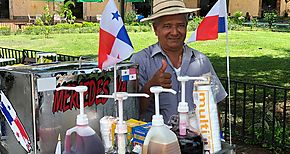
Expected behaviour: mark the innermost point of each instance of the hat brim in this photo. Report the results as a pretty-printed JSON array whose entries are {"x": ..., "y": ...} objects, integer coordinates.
[{"x": 172, "y": 11}]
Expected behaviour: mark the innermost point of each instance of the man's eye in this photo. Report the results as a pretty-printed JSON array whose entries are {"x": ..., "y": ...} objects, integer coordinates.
[
  {"x": 166, "y": 26},
  {"x": 182, "y": 25}
]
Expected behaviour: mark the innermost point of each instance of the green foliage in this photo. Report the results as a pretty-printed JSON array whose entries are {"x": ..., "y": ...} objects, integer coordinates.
[
  {"x": 65, "y": 11},
  {"x": 4, "y": 30},
  {"x": 138, "y": 28},
  {"x": 270, "y": 17},
  {"x": 46, "y": 17},
  {"x": 233, "y": 25},
  {"x": 34, "y": 30},
  {"x": 192, "y": 24},
  {"x": 62, "y": 28},
  {"x": 267, "y": 138},
  {"x": 39, "y": 22},
  {"x": 130, "y": 17},
  {"x": 236, "y": 21},
  {"x": 89, "y": 24},
  {"x": 254, "y": 22},
  {"x": 238, "y": 18}
]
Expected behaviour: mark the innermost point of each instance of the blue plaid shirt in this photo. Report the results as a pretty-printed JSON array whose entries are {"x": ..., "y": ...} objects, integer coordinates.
[{"x": 194, "y": 63}]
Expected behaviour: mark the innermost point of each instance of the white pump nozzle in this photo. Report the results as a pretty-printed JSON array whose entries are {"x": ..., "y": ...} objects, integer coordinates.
[
  {"x": 120, "y": 96},
  {"x": 82, "y": 118},
  {"x": 157, "y": 118},
  {"x": 183, "y": 79},
  {"x": 121, "y": 127},
  {"x": 183, "y": 105}
]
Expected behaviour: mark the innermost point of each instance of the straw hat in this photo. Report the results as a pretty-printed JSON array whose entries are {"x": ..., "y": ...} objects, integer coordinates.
[{"x": 168, "y": 7}]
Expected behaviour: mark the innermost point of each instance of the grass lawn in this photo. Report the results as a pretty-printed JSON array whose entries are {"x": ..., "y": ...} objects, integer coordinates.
[{"x": 255, "y": 56}]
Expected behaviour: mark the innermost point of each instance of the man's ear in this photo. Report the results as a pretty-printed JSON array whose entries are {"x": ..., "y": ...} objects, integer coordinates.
[{"x": 155, "y": 28}]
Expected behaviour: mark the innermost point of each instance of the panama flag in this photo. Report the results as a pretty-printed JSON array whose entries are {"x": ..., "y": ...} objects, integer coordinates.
[
  {"x": 129, "y": 74},
  {"x": 114, "y": 42},
  {"x": 14, "y": 123},
  {"x": 213, "y": 23}
]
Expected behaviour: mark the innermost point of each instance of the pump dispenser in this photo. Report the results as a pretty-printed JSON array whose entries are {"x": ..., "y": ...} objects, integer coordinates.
[
  {"x": 121, "y": 127},
  {"x": 183, "y": 105},
  {"x": 160, "y": 139},
  {"x": 87, "y": 141}
]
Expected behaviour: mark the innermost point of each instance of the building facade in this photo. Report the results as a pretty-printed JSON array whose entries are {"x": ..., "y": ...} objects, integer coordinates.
[{"x": 20, "y": 9}]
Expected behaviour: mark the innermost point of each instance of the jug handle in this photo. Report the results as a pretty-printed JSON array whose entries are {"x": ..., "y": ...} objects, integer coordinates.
[
  {"x": 68, "y": 140},
  {"x": 146, "y": 142}
]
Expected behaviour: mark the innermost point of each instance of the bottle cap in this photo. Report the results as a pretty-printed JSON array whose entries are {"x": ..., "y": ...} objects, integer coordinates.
[
  {"x": 157, "y": 120},
  {"x": 82, "y": 119}
]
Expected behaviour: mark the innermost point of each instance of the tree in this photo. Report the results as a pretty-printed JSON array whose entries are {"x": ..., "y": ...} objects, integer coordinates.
[{"x": 65, "y": 11}]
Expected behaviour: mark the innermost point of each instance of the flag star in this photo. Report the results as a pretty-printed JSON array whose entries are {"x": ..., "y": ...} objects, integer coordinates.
[
  {"x": 9, "y": 107},
  {"x": 116, "y": 15},
  {"x": 17, "y": 134}
]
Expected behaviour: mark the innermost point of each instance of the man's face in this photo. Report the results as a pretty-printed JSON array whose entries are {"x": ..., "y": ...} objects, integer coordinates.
[{"x": 171, "y": 31}]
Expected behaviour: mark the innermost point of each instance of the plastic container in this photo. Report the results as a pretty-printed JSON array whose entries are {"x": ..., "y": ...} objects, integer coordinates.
[
  {"x": 105, "y": 127},
  {"x": 207, "y": 116},
  {"x": 86, "y": 139},
  {"x": 183, "y": 105},
  {"x": 160, "y": 139}
]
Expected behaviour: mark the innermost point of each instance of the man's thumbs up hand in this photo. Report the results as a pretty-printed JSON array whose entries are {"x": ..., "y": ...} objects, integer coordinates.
[{"x": 161, "y": 78}]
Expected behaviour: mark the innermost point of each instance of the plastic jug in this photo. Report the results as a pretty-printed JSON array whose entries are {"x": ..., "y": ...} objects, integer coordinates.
[
  {"x": 87, "y": 141},
  {"x": 160, "y": 139}
]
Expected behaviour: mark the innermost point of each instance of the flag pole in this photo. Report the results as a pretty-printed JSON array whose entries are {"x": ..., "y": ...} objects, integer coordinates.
[
  {"x": 115, "y": 78},
  {"x": 115, "y": 88},
  {"x": 229, "y": 82}
]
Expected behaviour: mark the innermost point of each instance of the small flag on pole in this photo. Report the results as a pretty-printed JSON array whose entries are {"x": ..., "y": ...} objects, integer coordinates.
[
  {"x": 128, "y": 74},
  {"x": 114, "y": 42},
  {"x": 213, "y": 23},
  {"x": 14, "y": 122}
]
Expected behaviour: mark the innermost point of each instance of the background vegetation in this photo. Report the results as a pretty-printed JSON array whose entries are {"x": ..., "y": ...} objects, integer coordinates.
[{"x": 255, "y": 56}]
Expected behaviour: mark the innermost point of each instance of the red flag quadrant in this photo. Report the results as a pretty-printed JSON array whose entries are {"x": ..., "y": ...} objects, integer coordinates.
[{"x": 213, "y": 23}]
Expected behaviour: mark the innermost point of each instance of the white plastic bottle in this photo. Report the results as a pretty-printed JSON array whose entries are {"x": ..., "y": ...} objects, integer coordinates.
[
  {"x": 87, "y": 141},
  {"x": 160, "y": 139}
]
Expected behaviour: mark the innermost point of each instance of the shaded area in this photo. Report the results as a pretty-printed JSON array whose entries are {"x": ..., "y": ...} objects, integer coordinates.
[{"x": 263, "y": 70}]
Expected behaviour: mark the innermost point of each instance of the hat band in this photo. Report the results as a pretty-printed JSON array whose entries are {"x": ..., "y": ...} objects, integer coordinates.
[
  {"x": 167, "y": 4},
  {"x": 167, "y": 8}
]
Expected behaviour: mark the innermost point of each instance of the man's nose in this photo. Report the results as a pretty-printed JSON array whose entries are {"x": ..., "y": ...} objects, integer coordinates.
[{"x": 174, "y": 30}]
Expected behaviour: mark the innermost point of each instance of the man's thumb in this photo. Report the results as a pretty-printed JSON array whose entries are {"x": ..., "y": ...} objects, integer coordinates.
[{"x": 164, "y": 66}]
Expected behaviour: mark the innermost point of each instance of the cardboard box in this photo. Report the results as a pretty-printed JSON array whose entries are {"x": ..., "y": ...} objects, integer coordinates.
[{"x": 131, "y": 123}]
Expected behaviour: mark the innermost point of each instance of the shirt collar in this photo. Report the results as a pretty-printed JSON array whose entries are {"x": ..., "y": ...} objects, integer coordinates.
[{"x": 156, "y": 49}]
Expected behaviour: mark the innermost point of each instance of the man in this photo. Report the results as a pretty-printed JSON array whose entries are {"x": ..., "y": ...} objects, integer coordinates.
[{"x": 161, "y": 63}]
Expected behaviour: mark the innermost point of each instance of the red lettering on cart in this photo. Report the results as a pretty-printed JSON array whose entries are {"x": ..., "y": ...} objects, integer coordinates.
[{"x": 67, "y": 100}]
